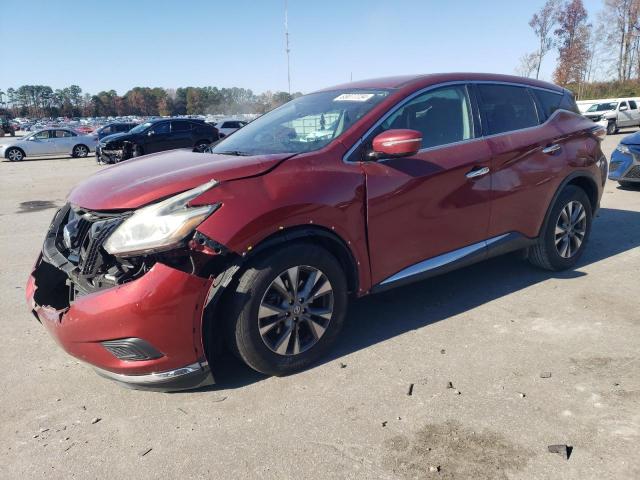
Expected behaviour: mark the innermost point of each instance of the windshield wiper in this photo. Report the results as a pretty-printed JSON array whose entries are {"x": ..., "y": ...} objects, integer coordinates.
[{"x": 236, "y": 153}]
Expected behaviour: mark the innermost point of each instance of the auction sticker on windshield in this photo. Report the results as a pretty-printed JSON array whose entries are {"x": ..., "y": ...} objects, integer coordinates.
[{"x": 354, "y": 97}]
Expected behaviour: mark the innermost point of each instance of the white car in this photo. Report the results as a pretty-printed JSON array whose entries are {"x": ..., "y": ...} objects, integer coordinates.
[
  {"x": 227, "y": 127},
  {"x": 51, "y": 141}
]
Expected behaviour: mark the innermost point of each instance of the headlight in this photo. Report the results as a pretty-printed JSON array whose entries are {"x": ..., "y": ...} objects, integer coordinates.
[
  {"x": 160, "y": 226},
  {"x": 623, "y": 149}
]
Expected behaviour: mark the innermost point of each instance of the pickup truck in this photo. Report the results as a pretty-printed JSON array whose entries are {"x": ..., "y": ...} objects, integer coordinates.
[{"x": 615, "y": 114}]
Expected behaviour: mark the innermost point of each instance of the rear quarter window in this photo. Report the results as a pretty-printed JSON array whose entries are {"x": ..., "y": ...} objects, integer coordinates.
[{"x": 549, "y": 101}]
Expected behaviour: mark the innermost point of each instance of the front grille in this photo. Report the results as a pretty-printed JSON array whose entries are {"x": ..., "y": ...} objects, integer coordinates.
[
  {"x": 74, "y": 244},
  {"x": 634, "y": 172}
]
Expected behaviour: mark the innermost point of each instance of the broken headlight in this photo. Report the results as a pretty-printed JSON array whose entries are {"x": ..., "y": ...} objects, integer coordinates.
[{"x": 160, "y": 226}]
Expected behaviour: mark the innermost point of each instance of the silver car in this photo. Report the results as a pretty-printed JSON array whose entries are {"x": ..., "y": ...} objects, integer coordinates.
[{"x": 50, "y": 141}]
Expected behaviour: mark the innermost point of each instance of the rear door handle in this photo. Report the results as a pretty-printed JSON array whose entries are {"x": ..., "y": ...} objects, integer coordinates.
[
  {"x": 477, "y": 172},
  {"x": 551, "y": 149}
]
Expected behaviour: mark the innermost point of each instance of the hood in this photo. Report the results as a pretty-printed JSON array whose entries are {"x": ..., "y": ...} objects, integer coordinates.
[
  {"x": 597, "y": 114},
  {"x": 633, "y": 139},
  {"x": 116, "y": 137},
  {"x": 137, "y": 182}
]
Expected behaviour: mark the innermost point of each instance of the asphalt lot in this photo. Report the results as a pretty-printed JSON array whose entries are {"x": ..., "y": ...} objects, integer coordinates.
[{"x": 491, "y": 329}]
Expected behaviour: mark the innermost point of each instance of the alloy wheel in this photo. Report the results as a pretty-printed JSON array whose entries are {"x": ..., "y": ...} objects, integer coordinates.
[
  {"x": 571, "y": 228},
  {"x": 295, "y": 310},
  {"x": 14, "y": 155},
  {"x": 81, "y": 151}
]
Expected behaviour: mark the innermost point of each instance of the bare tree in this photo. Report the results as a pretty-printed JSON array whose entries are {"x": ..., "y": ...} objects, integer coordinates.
[
  {"x": 529, "y": 64},
  {"x": 622, "y": 18},
  {"x": 542, "y": 24}
]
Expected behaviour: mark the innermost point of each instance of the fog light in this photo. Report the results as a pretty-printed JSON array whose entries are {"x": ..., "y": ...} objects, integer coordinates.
[{"x": 134, "y": 349}]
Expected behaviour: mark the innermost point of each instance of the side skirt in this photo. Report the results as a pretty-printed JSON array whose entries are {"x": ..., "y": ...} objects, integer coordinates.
[{"x": 455, "y": 259}]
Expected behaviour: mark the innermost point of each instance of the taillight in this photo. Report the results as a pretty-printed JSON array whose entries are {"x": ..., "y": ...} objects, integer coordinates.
[{"x": 599, "y": 133}]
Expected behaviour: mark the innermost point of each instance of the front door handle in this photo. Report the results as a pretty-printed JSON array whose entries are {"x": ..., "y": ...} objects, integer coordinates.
[
  {"x": 551, "y": 149},
  {"x": 477, "y": 172}
]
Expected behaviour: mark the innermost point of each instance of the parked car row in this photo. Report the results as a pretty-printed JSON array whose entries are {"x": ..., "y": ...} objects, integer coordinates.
[
  {"x": 119, "y": 141},
  {"x": 156, "y": 136},
  {"x": 51, "y": 141},
  {"x": 347, "y": 191}
]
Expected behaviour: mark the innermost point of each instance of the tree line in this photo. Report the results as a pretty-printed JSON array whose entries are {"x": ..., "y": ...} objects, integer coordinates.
[
  {"x": 595, "y": 57},
  {"x": 43, "y": 101}
]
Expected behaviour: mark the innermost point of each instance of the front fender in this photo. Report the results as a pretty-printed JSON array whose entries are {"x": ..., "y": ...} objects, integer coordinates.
[{"x": 292, "y": 195}]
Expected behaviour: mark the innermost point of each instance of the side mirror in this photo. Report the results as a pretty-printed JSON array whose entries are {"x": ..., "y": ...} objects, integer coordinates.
[
  {"x": 396, "y": 143},
  {"x": 624, "y": 108}
]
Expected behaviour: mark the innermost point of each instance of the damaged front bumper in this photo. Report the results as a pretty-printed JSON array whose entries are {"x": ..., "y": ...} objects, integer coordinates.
[{"x": 143, "y": 330}]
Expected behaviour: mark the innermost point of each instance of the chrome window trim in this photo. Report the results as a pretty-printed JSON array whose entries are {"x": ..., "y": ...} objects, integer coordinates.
[{"x": 400, "y": 104}]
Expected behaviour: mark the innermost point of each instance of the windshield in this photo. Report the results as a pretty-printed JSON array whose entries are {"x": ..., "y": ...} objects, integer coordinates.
[
  {"x": 305, "y": 124},
  {"x": 603, "y": 107},
  {"x": 141, "y": 128}
]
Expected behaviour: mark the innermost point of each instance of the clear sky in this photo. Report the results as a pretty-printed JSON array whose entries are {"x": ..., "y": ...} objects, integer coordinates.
[{"x": 119, "y": 44}]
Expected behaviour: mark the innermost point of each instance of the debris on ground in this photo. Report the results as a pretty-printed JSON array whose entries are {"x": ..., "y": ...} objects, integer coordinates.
[
  {"x": 563, "y": 450},
  {"x": 522, "y": 395},
  {"x": 443, "y": 351},
  {"x": 183, "y": 411},
  {"x": 410, "y": 391},
  {"x": 384, "y": 424},
  {"x": 434, "y": 468},
  {"x": 343, "y": 365},
  {"x": 95, "y": 420},
  {"x": 144, "y": 452},
  {"x": 69, "y": 447},
  {"x": 449, "y": 385},
  {"x": 457, "y": 392},
  {"x": 545, "y": 375}
]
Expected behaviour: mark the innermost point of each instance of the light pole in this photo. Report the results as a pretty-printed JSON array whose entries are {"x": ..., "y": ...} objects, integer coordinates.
[{"x": 286, "y": 41}]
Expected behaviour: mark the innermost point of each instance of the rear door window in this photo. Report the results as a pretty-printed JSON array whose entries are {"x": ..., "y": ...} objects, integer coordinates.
[
  {"x": 549, "y": 101},
  {"x": 506, "y": 108},
  {"x": 633, "y": 105}
]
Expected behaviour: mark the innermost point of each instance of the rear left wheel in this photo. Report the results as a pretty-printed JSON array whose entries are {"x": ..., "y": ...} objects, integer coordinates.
[
  {"x": 287, "y": 309},
  {"x": 565, "y": 232}
]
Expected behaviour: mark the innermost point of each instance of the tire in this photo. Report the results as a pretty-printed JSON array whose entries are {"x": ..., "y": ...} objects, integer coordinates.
[
  {"x": 80, "y": 151},
  {"x": 245, "y": 311},
  {"x": 201, "y": 145},
  {"x": 612, "y": 128},
  {"x": 629, "y": 185},
  {"x": 549, "y": 252},
  {"x": 14, "y": 154}
]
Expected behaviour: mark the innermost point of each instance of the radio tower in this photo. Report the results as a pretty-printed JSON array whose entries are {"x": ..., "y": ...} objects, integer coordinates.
[{"x": 286, "y": 41}]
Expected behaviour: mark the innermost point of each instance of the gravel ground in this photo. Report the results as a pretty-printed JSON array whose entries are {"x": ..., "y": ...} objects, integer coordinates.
[{"x": 493, "y": 330}]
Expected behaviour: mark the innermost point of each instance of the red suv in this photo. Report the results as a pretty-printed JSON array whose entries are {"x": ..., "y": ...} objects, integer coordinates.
[{"x": 259, "y": 242}]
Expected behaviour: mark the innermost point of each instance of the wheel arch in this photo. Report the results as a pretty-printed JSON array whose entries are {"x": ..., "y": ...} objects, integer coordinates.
[
  {"x": 581, "y": 179},
  {"x": 24, "y": 154},
  {"x": 319, "y": 235},
  {"x": 212, "y": 323}
]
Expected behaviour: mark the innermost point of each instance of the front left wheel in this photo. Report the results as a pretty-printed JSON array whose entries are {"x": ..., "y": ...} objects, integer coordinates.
[
  {"x": 287, "y": 310},
  {"x": 15, "y": 154},
  {"x": 80, "y": 151}
]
